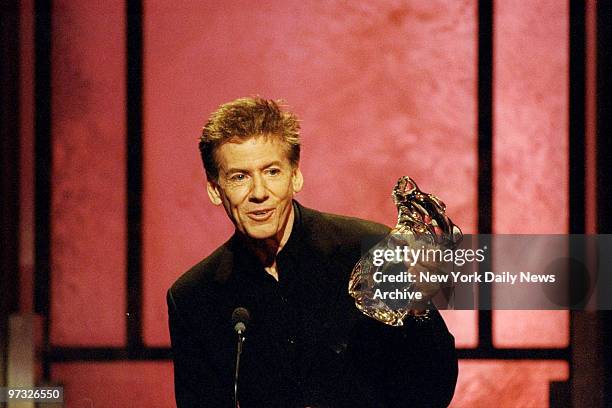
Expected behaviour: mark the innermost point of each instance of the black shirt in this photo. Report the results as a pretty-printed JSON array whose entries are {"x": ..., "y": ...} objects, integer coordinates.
[{"x": 306, "y": 344}]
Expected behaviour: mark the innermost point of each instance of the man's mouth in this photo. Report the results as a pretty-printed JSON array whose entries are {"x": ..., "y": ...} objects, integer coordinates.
[{"x": 261, "y": 215}]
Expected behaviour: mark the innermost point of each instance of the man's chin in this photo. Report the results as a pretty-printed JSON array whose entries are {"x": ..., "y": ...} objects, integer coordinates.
[{"x": 260, "y": 233}]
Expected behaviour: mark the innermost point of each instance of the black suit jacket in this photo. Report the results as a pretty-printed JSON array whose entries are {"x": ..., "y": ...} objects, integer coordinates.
[{"x": 307, "y": 344}]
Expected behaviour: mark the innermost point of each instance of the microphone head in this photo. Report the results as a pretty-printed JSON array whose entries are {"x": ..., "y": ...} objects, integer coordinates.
[{"x": 240, "y": 318}]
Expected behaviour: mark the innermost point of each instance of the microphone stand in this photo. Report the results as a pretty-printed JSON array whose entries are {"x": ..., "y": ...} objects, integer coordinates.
[{"x": 238, "y": 353}]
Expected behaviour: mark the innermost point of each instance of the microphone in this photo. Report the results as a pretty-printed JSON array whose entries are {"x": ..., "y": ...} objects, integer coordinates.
[{"x": 240, "y": 319}]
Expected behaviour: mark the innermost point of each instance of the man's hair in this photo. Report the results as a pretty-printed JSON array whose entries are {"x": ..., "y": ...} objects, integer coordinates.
[{"x": 244, "y": 118}]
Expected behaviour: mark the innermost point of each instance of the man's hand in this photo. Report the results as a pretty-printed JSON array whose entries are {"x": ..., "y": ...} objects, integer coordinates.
[{"x": 426, "y": 266}]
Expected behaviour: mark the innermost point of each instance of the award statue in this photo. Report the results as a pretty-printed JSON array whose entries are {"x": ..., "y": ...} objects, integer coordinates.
[{"x": 380, "y": 282}]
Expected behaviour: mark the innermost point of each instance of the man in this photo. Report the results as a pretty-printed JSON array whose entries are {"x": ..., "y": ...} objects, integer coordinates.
[{"x": 307, "y": 344}]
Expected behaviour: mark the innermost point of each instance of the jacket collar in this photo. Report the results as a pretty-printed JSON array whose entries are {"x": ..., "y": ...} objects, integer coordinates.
[{"x": 246, "y": 262}]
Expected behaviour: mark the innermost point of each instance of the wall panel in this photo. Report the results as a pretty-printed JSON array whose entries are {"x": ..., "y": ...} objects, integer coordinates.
[
  {"x": 117, "y": 384},
  {"x": 88, "y": 177},
  {"x": 463, "y": 324},
  {"x": 531, "y": 328},
  {"x": 531, "y": 117},
  {"x": 507, "y": 383},
  {"x": 531, "y": 94}
]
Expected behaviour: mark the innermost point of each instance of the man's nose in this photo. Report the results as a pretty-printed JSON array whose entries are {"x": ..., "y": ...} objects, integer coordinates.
[{"x": 259, "y": 191}]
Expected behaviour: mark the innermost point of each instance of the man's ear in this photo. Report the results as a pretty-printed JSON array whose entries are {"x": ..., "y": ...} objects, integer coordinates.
[
  {"x": 213, "y": 192},
  {"x": 297, "y": 180}
]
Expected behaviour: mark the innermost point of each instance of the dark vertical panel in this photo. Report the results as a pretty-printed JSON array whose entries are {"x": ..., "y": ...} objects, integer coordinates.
[
  {"x": 604, "y": 116},
  {"x": 588, "y": 372},
  {"x": 485, "y": 153},
  {"x": 604, "y": 164},
  {"x": 42, "y": 167},
  {"x": 134, "y": 175},
  {"x": 577, "y": 192},
  {"x": 9, "y": 153},
  {"x": 577, "y": 157},
  {"x": 485, "y": 116},
  {"x": 9, "y": 168}
]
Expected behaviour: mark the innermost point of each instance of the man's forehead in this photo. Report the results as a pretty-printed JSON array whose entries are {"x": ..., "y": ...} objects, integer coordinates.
[{"x": 253, "y": 151}]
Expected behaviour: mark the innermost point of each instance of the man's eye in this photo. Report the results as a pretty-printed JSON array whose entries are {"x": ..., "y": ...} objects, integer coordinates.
[
  {"x": 238, "y": 177},
  {"x": 274, "y": 172}
]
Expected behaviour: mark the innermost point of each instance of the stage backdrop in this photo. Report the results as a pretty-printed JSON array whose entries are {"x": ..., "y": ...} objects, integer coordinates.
[{"x": 383, "y": 89}]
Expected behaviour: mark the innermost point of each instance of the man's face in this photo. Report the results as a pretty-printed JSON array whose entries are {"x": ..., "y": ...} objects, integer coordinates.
[{"x": 256, "y": 185}]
